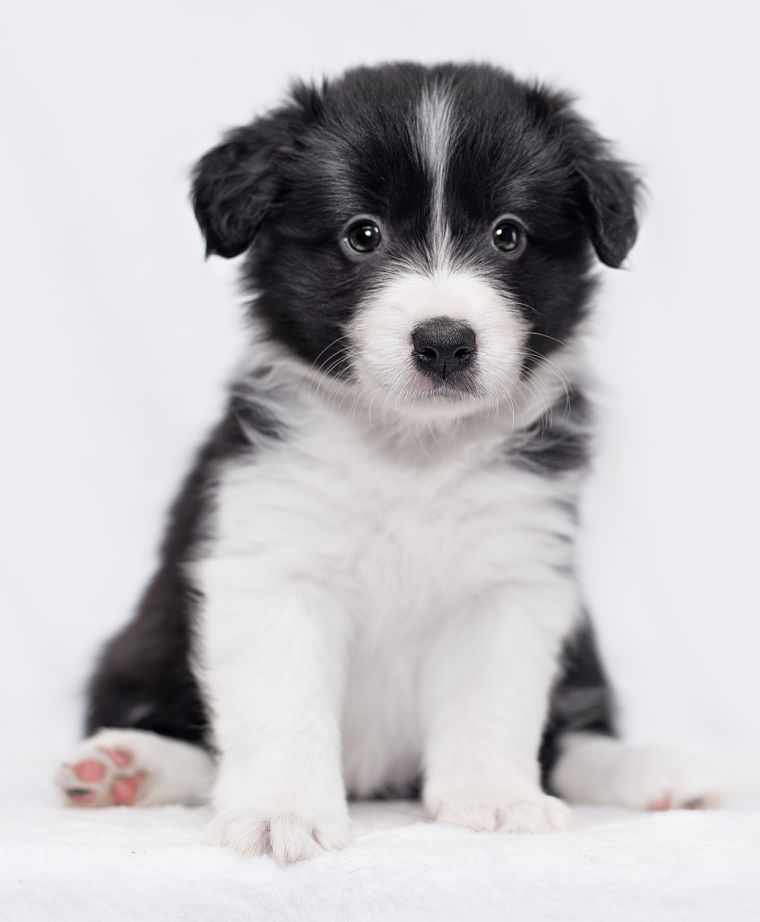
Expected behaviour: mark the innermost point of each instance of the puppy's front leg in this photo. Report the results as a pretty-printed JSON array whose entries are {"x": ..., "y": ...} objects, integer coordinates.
[
  {"x": 272, "y": 662},
  {"x": 485, "y": 692}
]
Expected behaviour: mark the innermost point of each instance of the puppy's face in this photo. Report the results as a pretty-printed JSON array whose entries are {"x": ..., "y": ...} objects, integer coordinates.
[{"x": 423, "y": 234}]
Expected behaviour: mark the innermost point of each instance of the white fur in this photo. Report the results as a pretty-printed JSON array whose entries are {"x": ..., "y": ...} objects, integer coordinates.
[{"x": 434, "y": 126}]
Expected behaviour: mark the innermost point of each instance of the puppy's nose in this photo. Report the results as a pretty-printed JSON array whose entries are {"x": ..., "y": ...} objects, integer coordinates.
[{"x": 442, "y": 346}]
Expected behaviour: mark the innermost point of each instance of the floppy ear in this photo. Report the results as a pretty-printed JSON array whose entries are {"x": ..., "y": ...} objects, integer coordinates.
[
  {"x": 606, "y": 189},
  {"x": 237, "y": 183},
  {"x": 609, "y": 192},
  {"x": 234, "y": 187}
]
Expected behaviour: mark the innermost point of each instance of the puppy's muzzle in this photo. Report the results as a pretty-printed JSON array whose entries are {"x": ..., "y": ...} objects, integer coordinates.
[{"x": 443, "y": 347}]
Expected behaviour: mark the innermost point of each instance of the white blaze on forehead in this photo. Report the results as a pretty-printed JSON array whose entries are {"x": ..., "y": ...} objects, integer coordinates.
[{"x": 434, "y": 139}]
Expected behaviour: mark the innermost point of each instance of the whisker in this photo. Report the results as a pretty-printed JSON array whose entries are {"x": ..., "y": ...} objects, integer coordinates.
[{"x": 329, "y": 346}]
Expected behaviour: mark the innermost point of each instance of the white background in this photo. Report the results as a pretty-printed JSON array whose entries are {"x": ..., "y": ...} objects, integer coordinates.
[{"x": 117, "y": 337}]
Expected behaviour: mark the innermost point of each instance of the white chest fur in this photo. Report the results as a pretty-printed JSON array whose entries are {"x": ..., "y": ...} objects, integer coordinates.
[{"x": 402, "y": 537}]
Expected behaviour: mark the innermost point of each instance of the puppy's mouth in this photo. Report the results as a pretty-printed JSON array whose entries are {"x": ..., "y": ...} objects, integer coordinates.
[
  {"x": 460, "y": 384},
  {"x": 411, "y": 390}
]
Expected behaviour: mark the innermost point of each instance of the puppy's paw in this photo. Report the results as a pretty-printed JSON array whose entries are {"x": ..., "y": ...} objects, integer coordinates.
[
  {"x": 654, "y": 778},
  {"x": 102, "y": 771},
  {"x": 287, "y": 837},
  {"x": 596, "y": 769},
  {"x": 535, "y": 812},
  {"x": 540, "y": 813}
]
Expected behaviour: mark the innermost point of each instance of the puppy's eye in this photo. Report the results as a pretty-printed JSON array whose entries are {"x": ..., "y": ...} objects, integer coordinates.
[
  {"x": 509, "y": 237},
  {"x": 363, "y": 236}
]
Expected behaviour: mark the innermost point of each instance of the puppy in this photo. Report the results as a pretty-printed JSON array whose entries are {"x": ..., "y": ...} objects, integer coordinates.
[{"x": 367, "y": 584}]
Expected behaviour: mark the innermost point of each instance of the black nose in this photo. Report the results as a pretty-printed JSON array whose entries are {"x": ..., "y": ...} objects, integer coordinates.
[{"x": 442, "y": 346}]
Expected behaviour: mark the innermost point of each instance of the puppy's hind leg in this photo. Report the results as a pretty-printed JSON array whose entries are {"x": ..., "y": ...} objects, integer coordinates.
[
  {"x": 135, "y": 767},
  {"x": 583, "y": 761},
  {"x": 592, "y": 768}
]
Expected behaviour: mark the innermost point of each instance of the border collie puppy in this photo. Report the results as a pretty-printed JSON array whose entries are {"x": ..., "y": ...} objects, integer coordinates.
[{"x": 367, "y": 585}]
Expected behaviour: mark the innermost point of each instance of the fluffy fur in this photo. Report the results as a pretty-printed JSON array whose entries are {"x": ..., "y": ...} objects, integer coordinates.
[{"x": 367, "y": 583}]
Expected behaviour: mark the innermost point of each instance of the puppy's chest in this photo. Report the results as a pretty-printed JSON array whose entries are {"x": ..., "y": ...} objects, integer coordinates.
[{"x": 394, "y": 537}]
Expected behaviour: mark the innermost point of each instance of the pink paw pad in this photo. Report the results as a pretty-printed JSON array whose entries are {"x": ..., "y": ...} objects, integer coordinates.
[
  {"x": 662, "y": 803},
  {"x": 89, "y": 770},
  {"x": 124, "y": 790}
]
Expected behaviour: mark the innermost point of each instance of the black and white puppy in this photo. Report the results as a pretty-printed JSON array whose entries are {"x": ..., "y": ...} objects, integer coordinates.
[{"x": 368, "y": 579}]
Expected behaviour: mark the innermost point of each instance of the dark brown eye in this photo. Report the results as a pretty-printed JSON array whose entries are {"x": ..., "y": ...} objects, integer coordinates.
[
  {"x": 509, "y": 237},
  {"x": 363, "y": 236}
]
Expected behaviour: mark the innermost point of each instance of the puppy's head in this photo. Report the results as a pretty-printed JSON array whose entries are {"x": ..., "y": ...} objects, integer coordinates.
[{"x": 424, "y": 234}]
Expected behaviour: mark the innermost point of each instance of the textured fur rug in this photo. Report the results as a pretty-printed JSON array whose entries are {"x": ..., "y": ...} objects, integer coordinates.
[{"x": 127, "y": 864}]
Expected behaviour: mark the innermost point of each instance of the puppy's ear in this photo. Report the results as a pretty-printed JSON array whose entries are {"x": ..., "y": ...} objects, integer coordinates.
[
  {"x": 237, "y": 183},
  {"x": 234, "y": 187},
  {"x": 609, "y": 196},
  {"x": 606, "y": 189}
]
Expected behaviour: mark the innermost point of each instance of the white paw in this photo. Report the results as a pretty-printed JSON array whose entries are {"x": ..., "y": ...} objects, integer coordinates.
[
  {"x": 652, "y": 778},
  {"x": 102, "y": 771},
  {"x": 536, "y": 812},
  {"x": 287, "y": 837}
]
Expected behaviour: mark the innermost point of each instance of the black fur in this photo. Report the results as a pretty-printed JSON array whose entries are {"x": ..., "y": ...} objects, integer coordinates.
[
  {"x": 281, "y": 190},
  {"x": 581, "y": 700},
  {"x": 143, "y": 677},
  {"x": 558, "y": 442}
]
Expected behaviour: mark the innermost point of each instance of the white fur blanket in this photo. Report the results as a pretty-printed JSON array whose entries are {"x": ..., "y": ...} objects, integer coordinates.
[{"x": 128, "y": 864}]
